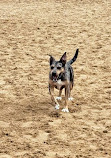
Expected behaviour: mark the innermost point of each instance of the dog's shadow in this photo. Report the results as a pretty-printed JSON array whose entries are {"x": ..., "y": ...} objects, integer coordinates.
[{"x": 36, "y": 109}]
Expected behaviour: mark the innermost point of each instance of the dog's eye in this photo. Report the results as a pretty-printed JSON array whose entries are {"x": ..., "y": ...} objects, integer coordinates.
[
  {"x": 52, "y": 67},
  {"x": 58, "y": 67}
]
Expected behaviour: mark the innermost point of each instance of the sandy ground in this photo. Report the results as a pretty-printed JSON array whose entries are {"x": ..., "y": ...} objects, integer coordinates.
[{"x": 30, "y": 127}]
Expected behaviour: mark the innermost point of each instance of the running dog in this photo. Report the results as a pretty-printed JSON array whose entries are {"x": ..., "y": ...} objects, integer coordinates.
[{"x": 61, "y": 76}]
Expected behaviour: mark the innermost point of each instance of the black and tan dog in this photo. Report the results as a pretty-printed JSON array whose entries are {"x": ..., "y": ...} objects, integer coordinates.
[{"x": 61, "y": 76}]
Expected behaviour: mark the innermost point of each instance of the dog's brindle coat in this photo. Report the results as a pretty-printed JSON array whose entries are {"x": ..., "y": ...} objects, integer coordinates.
[{"x": 61, "y": 76}]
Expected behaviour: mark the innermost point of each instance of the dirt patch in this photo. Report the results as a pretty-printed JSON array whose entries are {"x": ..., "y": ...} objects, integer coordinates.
[{"x": 29, "y": 125}]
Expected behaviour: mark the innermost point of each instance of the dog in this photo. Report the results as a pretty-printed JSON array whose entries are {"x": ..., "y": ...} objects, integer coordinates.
[{"x": 61, "y": 76}]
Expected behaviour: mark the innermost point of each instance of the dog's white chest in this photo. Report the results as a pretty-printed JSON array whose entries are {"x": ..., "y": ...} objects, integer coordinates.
[{"x": 59, "y": 83}]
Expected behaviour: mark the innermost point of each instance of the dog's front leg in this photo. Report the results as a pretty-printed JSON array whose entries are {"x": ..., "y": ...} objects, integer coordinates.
[
  {"x": 59, "y": 96},
  {"x": 51, "y": 91},
  {"x": 67, "y": 94}
]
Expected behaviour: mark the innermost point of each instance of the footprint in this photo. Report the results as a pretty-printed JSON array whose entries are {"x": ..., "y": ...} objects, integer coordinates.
[
  {"x": 54, "y": 114},
  {"x": 27, "y": 124},
  {"x": 5, "y": 156},
  {"x": 4, "y": 124},
  {"x": 55, "y": 122},
  {"x": 21, "y": 153},
  {"x": 40, "y": 137},
  {"x": 61, "y": 135}
]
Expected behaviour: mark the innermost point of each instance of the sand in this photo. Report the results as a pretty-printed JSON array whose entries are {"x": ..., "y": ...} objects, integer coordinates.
[{"x": 30, "y": 127}]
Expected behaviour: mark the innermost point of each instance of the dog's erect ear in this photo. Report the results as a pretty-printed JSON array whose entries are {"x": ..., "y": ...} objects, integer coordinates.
[
  {"x": 51, "y": 60},
  {"x": 63, "y": 59}
]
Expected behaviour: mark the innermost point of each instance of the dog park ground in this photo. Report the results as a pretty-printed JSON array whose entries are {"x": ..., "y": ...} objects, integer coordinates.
[{"x": 30, "y": 127}]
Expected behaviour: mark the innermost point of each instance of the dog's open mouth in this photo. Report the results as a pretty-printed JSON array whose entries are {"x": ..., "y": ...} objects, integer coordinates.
[{"x": 55, "y": 78}]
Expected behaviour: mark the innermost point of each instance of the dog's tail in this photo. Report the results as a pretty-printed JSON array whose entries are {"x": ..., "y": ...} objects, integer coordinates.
[{"x": 74, "y": 58}]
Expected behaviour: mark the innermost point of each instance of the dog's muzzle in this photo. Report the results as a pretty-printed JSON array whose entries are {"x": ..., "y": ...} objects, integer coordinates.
[{"x": 55, "y": 77}]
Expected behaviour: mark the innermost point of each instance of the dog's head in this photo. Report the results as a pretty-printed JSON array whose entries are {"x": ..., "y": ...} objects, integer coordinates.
[{"x": 57, "y": 68}]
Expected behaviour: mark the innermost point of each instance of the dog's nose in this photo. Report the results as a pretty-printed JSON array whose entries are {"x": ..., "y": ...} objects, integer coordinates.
[{"x": 53, "y": 73}]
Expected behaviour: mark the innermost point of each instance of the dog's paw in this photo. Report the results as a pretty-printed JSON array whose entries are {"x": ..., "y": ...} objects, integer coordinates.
[
  {"x": 57, "y": 106},
  {"x": 65, "y": 110},
  {"x": 58, "y": 98},
  {"x": 70, "y": 98}
]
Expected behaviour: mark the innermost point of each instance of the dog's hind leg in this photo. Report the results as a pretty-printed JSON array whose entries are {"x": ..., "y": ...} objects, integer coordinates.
[
  {"x": 70, "y": 98},
  {"x": 71, "y": 87}
]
